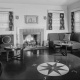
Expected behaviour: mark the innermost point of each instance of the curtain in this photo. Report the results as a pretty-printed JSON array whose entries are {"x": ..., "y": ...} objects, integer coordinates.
[
  {"x": 72, "y": 22},
  {"x": 49, "y": 21},
  {"x": 62, "y": 21},
  {"x": 11, "y": 21}
]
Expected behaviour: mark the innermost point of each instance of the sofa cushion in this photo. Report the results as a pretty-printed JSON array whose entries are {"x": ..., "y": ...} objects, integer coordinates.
[
  {"x": 53, "y": 36},
  {"x": 61, "y": 36},
  {"x": 67, "y": 37}
]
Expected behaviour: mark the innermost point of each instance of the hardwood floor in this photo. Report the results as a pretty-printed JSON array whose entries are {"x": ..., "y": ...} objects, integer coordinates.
[{"x": 27, "y": 69}]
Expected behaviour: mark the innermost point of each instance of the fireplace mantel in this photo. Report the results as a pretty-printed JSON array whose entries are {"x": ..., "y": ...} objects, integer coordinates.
[{"x": 30, "y": 31}]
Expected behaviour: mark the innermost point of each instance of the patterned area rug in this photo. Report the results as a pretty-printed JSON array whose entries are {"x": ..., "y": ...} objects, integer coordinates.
[{"x": 53, "y": 69}]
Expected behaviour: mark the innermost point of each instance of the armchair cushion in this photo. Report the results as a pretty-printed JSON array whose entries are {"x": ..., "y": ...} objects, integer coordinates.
[
  {"x": 75, "y": 45},
  {"x": 67, "y": 37},
  {"x": 75, "y": 37}
]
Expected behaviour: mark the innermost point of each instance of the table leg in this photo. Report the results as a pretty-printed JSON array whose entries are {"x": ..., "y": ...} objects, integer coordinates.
[
  {"x": 71, "y": 50},
  {"x": 22, "y": 54},
  {"x": 7, "y": 55},
  {"x": 64, "y": 53}
]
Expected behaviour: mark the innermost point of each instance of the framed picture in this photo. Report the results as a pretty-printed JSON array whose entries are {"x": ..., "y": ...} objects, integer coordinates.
[{"x": 31, "y": 19}]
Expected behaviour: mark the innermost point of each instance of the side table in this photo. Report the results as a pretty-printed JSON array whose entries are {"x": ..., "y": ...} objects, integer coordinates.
[
  {"x": 66, "y": 44},
  {"x": 15, "y": 50}
]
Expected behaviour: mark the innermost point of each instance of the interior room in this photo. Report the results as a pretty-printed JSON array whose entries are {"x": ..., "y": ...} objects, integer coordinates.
[{"x": 39, "y": 39}]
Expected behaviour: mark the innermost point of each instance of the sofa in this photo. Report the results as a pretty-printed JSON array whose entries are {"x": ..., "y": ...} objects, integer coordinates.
[{"x": 73, "y": 38}]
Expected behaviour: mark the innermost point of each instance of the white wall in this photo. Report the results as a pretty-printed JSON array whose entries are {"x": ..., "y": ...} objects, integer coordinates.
[
  {"x": 39, "y": 10},
  {"x": 73, "y": 7}
]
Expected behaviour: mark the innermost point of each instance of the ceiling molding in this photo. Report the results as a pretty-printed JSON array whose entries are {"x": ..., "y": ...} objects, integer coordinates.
[{"x": 41, "y": 2}]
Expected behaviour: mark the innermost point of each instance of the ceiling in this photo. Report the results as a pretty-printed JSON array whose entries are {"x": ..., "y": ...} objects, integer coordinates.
[{"x": 43, "y": 2}]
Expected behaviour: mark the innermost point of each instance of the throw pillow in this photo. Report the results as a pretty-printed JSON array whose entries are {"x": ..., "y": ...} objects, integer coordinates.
[{"x": 67, "y": 37}]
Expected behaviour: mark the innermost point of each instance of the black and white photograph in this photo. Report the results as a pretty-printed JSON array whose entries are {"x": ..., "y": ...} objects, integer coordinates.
[{"x": 39, "y": 39}]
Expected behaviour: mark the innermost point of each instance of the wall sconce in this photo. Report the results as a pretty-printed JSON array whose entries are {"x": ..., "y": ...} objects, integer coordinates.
[
  {"x": 17, "y": 17},
  {"x": 45, "y": 17}
]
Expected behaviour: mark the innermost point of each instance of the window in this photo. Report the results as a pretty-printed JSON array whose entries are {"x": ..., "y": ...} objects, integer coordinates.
[
  {"x": 55, "y": 20},
  {"x": 77, "y": 21},
  {"x": 6, "y": 20}
]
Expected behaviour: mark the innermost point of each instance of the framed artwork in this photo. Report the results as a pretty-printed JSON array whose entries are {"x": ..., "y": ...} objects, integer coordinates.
[{"x": 31, "y": 19}]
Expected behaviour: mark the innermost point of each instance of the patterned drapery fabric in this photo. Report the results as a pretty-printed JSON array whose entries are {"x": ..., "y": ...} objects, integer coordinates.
[
  {"x": 11, "y": 21},
  {"x": 72, "y": 22},
  {"x": 62, "y": 21},
  {"x": 49, "y": 21}
]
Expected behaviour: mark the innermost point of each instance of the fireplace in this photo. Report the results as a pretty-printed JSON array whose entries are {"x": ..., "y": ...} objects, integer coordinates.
[
  {"x": 32, "y": 37},
  {"x": 31, "y": 40}
]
